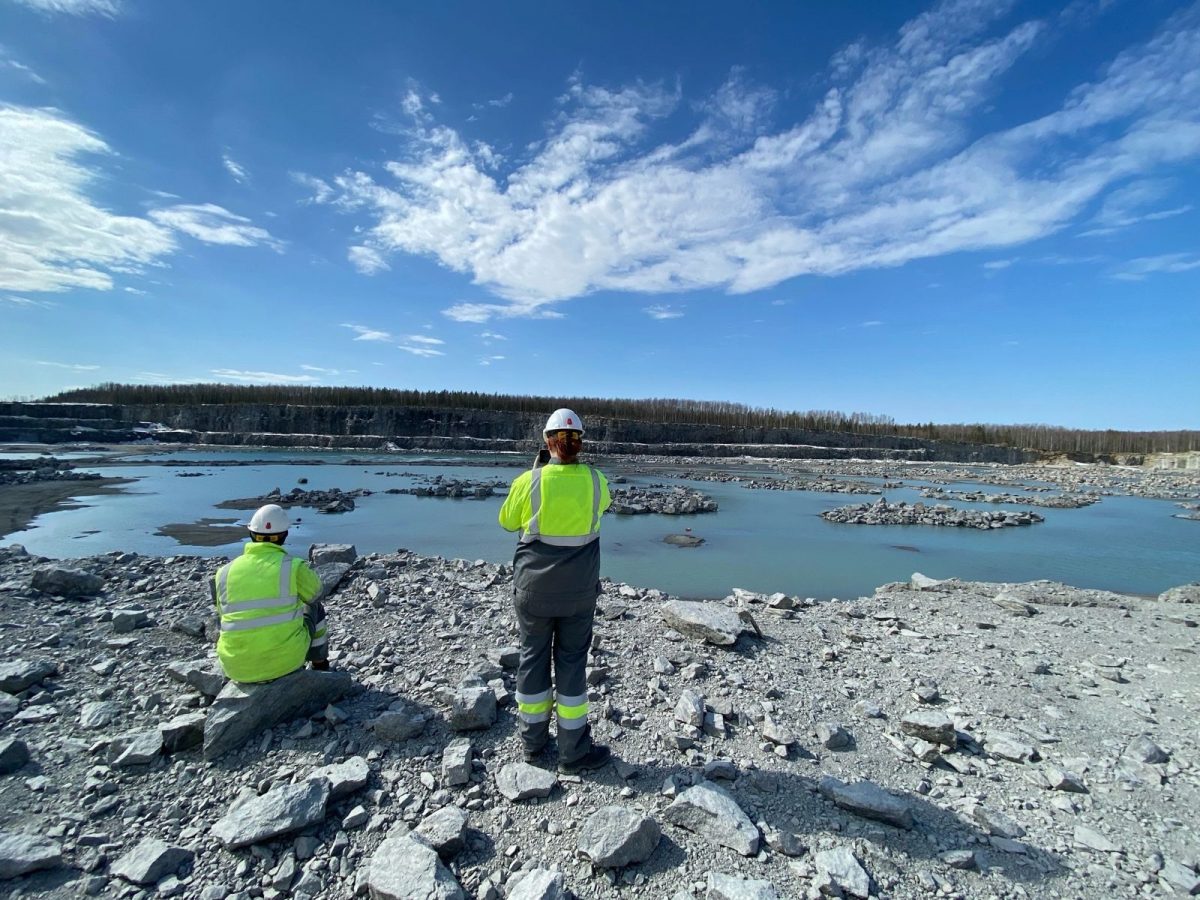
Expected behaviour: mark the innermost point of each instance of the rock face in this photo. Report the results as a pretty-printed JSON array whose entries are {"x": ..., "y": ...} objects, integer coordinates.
[
  {"x": 404, "y": 867},
  {"x": 22, "y": 853},
  {"x": 614, "y": 836},
  {"x": 242, "y": 711},
  {"x": 151, "y": 861},
  {"x": 866, "y": 799},
  {"x": 67, "y": 583},
  {"x": 712, "y": 813},
  {"x": 710, "y": 622},
  {"x": 285, "y": 808}
]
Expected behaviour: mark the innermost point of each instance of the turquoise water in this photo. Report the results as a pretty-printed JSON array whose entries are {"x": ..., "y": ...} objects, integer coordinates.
[{"x": 760, "y": 540}]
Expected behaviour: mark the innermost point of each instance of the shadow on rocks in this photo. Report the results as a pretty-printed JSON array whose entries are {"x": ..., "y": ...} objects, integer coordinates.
[{"x": 776, "y": 798}]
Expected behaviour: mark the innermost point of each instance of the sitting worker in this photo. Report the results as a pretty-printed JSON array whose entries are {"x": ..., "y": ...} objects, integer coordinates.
[
  {"x": 271, "y": 622},
  {"x": 556, "y": 580}
]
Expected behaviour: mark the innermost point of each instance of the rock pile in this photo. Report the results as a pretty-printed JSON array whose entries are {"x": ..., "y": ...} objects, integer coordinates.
[
  {"x": 940, "y": 738},
  {"x": 675, "y": 501},
  {"x": 1057, "y": 501},
  {"x": 883, "y": 513},
  {"x": 333, "y": 500}
]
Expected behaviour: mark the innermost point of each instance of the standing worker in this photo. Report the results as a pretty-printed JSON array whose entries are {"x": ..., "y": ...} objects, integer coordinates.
[
  {"x": 556, "y": 506},
  {"x": 271, "y": 622}
]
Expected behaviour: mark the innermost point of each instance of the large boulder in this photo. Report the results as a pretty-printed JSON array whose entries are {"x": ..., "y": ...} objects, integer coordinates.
[
  {"x": 404, "y": 867},
  {"x": 867, "y": 799},
  {"x": 1185, "y": 593},
  {"x": 930, "y": 725},
  {"x": 21, "y": 853},
  {"x": 20, "y": 674},
  {"x": 321, "y": 554},
  {"x": 252, "y": 819},
  {"x": 243, "y": 710},
  {"x": 65, "y": 582},
  {"x": 711, "y": 622},
  {"x": 473, "y": 708},
  {"x": 710, "y": 812},
  {"x": 537, "y": 884},
  {"x": 151, "y": 861},
  {"x": 14, "y": 753},
  {"x": 521, "y": 781},
  {"x": 614, "y": 836},
  {"x": 344, "y": 778},
  {"x": 204, "y": 675},
  {"x": 445, "y": 831}
]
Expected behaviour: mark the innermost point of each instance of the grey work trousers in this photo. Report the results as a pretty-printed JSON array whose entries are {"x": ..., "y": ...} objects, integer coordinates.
[
  {"x": 565, "y": 640},
  {"x": 314, "y": 618}
]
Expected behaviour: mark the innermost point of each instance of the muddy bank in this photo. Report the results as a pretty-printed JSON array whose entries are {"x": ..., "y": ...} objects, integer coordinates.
[{"x": 20, "y": 504}]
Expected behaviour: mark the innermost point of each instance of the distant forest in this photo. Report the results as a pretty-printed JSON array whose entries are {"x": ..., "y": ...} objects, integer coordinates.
[{"x": 1046, "y": 438}]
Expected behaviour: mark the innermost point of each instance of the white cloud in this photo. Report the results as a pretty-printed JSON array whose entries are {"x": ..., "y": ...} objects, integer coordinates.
[
  {"x": 873, "y": 323},
  {"x": 421, "y": 339},
  {"x": 421, "y": 351},
  {"x": 1131, "y": 204},
  {"x": 28, "y": 73},
  {"x": 485, "y": 312},
  {"x": 14, "y": 300},
  {"x": 997, "y": 264},
  {"x": 214, "y": 224},
  {"x": 367, "y": 334},
  {"x": 74, "y": 367},
  {"x": 663, "y": 311},
  {"x": 75, "y": 7},
  {"x": 367, "y": 260},
  {"x": 132, "y": 290},
  {"x": 321, "y": 191},
  {"x": 1171, "y": 263},
  {"x": 489, "y": 336},
  {"x": 323, "y": 371},
  {"x": 488, "y": 360},
  {"x": 52, "y": 236},
  {"x": 238, "y": 173},
  {"x": 900, "y": 160},
  {"x": 263, "y": 377}
]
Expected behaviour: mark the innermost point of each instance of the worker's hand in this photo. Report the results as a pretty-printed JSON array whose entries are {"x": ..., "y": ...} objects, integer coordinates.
[{"x": 543, "y": 457}]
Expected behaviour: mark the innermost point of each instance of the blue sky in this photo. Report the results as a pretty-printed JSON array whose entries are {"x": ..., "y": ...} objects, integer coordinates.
[{"x": 974, "y": 210}]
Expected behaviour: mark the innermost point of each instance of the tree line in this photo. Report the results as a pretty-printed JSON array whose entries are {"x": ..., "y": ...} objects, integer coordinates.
[{"x": 1046, "y": 438}]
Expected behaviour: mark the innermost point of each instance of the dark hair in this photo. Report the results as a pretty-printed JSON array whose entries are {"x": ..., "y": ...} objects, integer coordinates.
[{"x": 565, "y": 448}]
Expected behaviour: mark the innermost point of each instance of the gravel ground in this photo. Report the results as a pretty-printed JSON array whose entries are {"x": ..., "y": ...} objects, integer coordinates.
[{"x": 1055, "y": 699}]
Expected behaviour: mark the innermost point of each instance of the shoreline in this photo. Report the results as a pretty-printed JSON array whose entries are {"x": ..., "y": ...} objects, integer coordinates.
[{"x": 20, "y": 504}]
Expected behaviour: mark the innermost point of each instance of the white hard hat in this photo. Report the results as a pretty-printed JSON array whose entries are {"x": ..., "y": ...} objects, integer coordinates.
[
  {"x": 563, "y": 420},
  {"x": 270, "y": 519}
]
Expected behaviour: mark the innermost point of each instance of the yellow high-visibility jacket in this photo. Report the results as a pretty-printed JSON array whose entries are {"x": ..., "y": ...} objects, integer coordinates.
[
  {"x": 557, "y": 504},
  {"x": 261, "y": 598}
]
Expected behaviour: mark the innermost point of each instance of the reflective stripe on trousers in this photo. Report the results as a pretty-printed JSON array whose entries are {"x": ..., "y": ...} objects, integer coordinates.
[
  {"x": 572, "y": 711},
  {"x": 533, "y": 533},
  {"x": 534, "y": 707}
]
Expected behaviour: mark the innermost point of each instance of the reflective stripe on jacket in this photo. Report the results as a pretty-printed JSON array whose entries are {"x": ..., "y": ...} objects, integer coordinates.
[
  {"x": 557, "y": 504},
  {"x": 261, "y": 597}
]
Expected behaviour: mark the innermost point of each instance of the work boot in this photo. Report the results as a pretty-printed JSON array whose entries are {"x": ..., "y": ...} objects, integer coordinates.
[
  {"x": 320, "y": 665},
  {"x": 593, "y": 759}
]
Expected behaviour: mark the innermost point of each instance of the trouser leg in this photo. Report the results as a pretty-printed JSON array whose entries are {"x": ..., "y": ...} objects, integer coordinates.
[
  {"x": 572, "y": 640},
  {"x": 534, "y": 699},
  {"x": 314, "y": 618}
]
